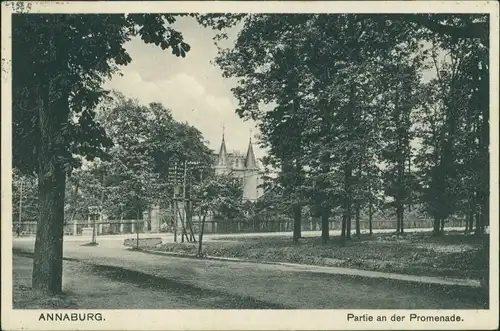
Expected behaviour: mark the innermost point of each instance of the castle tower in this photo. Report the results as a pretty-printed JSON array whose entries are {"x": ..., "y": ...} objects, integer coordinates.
[
  {"x": 250, "y": 162},
  {"x": 222, "y": 160},
  {"x": 251, "y": 178}
]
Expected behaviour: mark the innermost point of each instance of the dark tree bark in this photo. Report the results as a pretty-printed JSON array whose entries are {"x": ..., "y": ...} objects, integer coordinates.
[
  {"x": 401, "y": 218},
  {"x": 370, "y": 205},
  {"x": 486, "y": 210},
  {"x": 47, "y": 263},
  {"x": 347, "y": 200},
  {"x": 436, "y": 226},
  {"x": 469, "y": 219},
  {"x": 325, "y": 224},
  {"x": 344, "y": 224},
  {"x": 398, "y": 220},
  {"x": 349, "y": 218},
  {"x": 297, "y": 222},
  {"x": 477, "y": 231}
]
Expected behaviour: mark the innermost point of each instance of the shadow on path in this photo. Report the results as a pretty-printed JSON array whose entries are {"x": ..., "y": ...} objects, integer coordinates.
[
  {"x": 229, "y": 301},
  {"x": 206, "y": 298}
]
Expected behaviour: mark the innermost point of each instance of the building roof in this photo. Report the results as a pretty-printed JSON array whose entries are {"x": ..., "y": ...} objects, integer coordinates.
[
  {"x": 223, "y": 159},
  {"x": 250, "y": 161},
  {"x": 222, "y": 156}
]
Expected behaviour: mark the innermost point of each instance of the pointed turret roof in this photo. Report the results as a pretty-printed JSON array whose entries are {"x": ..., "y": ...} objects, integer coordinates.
[
  {"x": 222, "y": 157},
  {"x": 250, "y": 161}
]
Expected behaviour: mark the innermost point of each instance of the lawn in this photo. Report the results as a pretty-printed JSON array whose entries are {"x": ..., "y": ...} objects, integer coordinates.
[
  {"x": 453, "y": 255},
  {"x": 88, "y": 286}
]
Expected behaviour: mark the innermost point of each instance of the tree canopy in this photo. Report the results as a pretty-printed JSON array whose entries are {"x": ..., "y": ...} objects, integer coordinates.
[
  {"x": 60, "y": 62},
  {"x": 349, "y": 119}
]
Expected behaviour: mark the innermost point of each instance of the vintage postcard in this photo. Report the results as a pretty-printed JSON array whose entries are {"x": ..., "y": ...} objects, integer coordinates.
[{"x": 260, "y": 165}]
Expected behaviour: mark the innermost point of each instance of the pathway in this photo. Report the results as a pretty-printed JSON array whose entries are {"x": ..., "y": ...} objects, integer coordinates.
[{"x": 279, "y": 285}]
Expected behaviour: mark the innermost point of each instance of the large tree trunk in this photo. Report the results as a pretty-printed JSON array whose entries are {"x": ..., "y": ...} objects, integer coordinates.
[
  {"x": 325, "y": 234},
  {"x": 183, "y": 230},
  {"x": 348, "y": 220},
  {"x": 477, "y": 231},
  {"x": 436, "y": 225},
  {"x": 347, "y": 199},
  {"x": 297, "y": 220},
  {"x": 401, "y": 217},
  {"x": 344, "y": 224},
  {"x": 398, "y": 220},
  {"x": 486, "y": 213},
  {"x": 469, "y": 217},
  {"x": 47, "y": 263}
]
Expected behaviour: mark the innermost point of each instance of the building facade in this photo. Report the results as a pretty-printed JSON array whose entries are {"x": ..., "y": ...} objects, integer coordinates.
[{"x": 241, "y": 166}]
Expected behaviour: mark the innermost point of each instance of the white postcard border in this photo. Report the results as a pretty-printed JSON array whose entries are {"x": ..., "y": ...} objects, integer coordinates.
[{"x": 247, "y": 319}]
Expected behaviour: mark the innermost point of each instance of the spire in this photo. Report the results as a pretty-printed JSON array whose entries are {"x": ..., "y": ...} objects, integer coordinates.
[
  {"x": 222, "y": 158},
  {"x": 250, "y": 162}
]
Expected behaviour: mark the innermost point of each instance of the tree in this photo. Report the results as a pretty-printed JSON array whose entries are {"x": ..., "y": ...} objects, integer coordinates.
[
  {"x": 147, "y": 144},
  {"x": 59, "y": 65},
  {"x": 221, "y": 197},
  {"x": 398, "y": 136},
  {"x": 350, "y": 88},
  {"x": 454, "y": 132},
  {"x": 270, "y": 72}
]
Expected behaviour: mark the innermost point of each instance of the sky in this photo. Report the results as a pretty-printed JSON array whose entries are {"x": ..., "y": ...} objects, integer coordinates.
[{"x": 191, "y": 87}]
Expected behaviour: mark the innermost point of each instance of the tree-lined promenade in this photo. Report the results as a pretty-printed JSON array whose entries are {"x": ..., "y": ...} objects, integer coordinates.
[{"x": 361, "y": 115}]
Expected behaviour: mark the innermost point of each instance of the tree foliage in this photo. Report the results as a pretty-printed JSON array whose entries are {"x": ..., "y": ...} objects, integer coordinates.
[
  {"x": 60, "y": 62},
  {"x": 219, "y": 196},
  {"x": 345, "y": 111}
]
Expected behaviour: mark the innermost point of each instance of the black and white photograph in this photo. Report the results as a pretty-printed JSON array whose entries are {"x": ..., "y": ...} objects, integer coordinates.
[{"x": 192, "y": 159}]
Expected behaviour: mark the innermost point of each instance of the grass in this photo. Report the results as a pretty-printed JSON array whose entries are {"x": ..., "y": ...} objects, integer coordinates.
[
  {"x": 24, "y": 298},
  {"x": 453, "y": 255},
  {"x": 141, "y": 281},
  {"x": 89, "y": 286}
]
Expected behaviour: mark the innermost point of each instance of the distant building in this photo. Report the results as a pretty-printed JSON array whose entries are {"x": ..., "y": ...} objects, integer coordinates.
[{"x": 241, "y": 166}]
